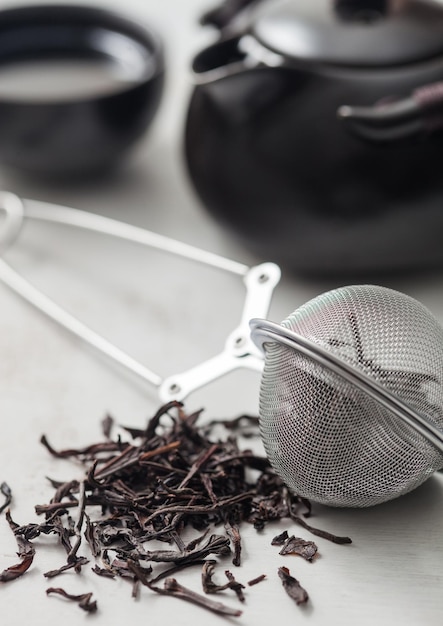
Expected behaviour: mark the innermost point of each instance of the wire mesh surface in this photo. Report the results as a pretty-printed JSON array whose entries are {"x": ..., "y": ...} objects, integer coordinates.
[{"x": 330, "y": 441}]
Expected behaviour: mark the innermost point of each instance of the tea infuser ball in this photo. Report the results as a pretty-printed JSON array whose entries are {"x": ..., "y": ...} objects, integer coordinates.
[{"x": 338, "y": 372}]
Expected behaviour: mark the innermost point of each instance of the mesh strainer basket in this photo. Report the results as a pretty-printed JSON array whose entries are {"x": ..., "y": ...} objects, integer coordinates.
[{"x": 351, "y": 399}]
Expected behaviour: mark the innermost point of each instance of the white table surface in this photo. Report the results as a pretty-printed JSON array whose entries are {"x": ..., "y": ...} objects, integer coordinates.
[{"x": 171, "y": 315}]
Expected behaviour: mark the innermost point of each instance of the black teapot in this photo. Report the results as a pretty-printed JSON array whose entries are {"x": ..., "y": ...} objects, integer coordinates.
[{"x": 314, "y": 132}]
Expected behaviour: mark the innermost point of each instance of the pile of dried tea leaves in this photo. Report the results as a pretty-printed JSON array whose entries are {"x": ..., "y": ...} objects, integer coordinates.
[{"x": 169, "y": 477}]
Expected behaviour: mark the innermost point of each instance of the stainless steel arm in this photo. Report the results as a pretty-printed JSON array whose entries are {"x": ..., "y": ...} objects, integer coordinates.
[{"x": 239, "y": 350}]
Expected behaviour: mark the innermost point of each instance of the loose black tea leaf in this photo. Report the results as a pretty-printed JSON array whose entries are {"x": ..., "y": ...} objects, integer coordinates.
[
  {"x": 216, "y": 544},
  {"x": 173, "y": 588},
  {"x": 76, "y": 565},
  {"x": 292, "y": 586},
  {"x": 72, "y": 553},
  {"x": 88, "y": 451},
  {"x": 235, "y": 585},
  {"x": 25, "y": 551},
  {"x": 15, "y": 571},
  {"x": 233, "y": 532},
  {"x": 107, "y": 424},
  {"x": 256, "y": 580},
  {"x": 210, "y": 587},
  {"x": 207, "y": 579},
  {"x": 295, "y": 545},
  {"x": 103, "y": 571},
  {"x": 5, "y": 490},
  {"x": 280, "y": 539},
  {"x": 84, "y": 600},
  {"x": 321, "y": 533}
]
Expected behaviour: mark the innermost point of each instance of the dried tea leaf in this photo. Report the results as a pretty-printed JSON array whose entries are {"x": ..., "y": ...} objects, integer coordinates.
[
  {"x": 5, "y": 490},
  {"x": 25, "y": 551},
  {"x": 233, "y": 532},
  {"x": 257, "y": 580},
  {"x": 292, "y": 586},
  {"x": 173, "y": 588},
  {"x": 83, "y": 600},
  {"x": 235, "y": 585},
  {"x": 216, "y": 544},
  {"x": 76, "y": 565},
  {"x": 208, "y": 584},
  {"x": 103, "y": 571},
  {"x": 321, "y": 533},
  {"x": 107, "y": 426},
  {"x": 280, "y": 539},
  {"x": 15, "y": 571},
  {"x": 296, "y": 545}
]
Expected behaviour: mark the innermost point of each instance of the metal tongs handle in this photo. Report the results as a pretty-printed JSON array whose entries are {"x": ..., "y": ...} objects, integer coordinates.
[{"x": 239, "y": 350}]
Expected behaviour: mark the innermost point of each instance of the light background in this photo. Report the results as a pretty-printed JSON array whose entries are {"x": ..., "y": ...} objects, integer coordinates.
[{"x": 171, "y": 315}]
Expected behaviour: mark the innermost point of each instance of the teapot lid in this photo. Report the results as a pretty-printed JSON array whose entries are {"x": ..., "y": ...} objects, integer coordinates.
[{"x": 369, "y": 33}]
